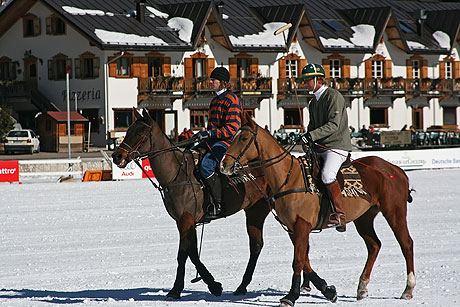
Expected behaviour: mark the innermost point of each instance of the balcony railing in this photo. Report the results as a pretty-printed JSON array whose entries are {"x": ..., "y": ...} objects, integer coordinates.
[{"x": 158, "y": 85}]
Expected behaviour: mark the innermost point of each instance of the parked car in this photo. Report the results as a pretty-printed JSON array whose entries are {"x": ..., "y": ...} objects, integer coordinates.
[{"x": 21, "y": 140}]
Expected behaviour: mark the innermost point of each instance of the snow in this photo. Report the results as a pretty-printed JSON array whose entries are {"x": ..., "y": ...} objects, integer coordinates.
[
  {"x": 111, "y": 37},
  {"x": 156, "y": 13},
  {"x": 113, "y": 244},
  {"x": 185, "y": 27},
  {"x": 416, "y": 45},
  {"x": 264, "y": 38},
  {"x": 78, "y": 11},
  {"x": 442, "y": 38},
  {"x": 363, "y": 36}
]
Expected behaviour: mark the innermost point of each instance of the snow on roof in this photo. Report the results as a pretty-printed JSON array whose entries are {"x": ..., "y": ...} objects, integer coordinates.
[
  {"x": 416, "y": 45},
  {"x": 265, "y": 38},
  {"x": 156, "y": 13},
  {"x": 77, "y": 11},
  {"x": 185, "y": 27},
  {"x": 224, "y": 16},
  {"x": 442, "y": 38},
  {"x": 110, "y": 37},
  {"x": 363, "y": 36}
]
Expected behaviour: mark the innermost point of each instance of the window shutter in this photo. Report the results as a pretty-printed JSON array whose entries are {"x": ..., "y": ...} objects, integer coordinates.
[
  {"x": 166, "y": 67},
  {"x": 327, "y": 68},
  {"x": 96, "y": 67},
  {"x": 424, "y": 70},
  {"x": 50, "y": 70},
  {"x": 210, "y": 66},
  {"x": 302, "y": 64},
  {"x": 409, "y": 69},
  {"x": 12, "y": 70},
  {"x": 113, "y": 69},
  {"x": 136, "y": 67},
  {"x": 232, "y": 67},
  {"x": 188, "y": 63},
  {"x": 456, "y": 69},
  {"x": 442, "y": 70},
  {"x": 77, "y": 68},
  {"x": 346, "y": 68},
  {"x": 368, "y": 66},
  {"x": 49, "y": 29},
  {"x": 388, "y": 69},
  {"x": 282, "y": 68},
  {"x": 254, "y": 66},
  {"x": 36, "y": 26},
  {"x": 68, "y": 63}
]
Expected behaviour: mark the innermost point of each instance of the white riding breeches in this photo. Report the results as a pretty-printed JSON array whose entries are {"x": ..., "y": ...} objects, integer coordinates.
[{"x": 332, "y": 162}]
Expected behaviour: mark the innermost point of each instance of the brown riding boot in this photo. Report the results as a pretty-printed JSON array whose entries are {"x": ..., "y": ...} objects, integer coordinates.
[
  {"x": 215, "y": 187},
  {"x": 336, "y": 219}
]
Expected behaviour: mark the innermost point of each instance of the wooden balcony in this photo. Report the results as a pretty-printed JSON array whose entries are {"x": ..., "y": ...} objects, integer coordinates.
[
  {"x": 170, "y": 86},
  {"x": 250, "y": 86}
]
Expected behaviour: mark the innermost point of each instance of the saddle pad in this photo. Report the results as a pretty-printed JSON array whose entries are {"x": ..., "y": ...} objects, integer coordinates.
[{"x": 352, "y": 184}]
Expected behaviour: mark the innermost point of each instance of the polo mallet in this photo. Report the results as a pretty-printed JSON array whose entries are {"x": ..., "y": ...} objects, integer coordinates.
[
  {"x": 197, "y": 276},
  {"x": 277, "y": 32}
]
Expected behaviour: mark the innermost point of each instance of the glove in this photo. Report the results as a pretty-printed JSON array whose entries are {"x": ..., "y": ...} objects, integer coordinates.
[
  {"x": 306, "y": 138},
  {"x": 202, "y": 135}
]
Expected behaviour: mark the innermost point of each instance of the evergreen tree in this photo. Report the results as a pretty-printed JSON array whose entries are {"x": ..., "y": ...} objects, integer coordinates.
[{"x": 6, "y": 121}]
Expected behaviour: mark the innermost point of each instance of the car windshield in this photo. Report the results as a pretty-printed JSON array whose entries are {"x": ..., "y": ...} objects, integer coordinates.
[{"x": 18, "y": 134}]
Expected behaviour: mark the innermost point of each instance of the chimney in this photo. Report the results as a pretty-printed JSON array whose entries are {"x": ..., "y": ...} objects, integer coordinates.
[
  {"x": 140, "y": 10},
  {"x": 421, "y": 17},
  {"x": 220, "y": 8}
]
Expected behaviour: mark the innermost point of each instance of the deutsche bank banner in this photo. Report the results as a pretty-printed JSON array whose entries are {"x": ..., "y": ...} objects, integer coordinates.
[
  {"x": 9, "y": 171},
  {"x": 417, "y": 159},
  {"x": 131, "y": 171}
]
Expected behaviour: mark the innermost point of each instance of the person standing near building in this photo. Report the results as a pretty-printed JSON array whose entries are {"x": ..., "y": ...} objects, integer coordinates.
[
  {"x": 224, "y": 120},
  {"x": 328, "y": 127}
]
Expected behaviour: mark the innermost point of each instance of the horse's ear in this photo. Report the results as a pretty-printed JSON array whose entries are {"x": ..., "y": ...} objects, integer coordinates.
[
  {"x": 247, "y": 120},
  {"x": 136, "y": 113}
]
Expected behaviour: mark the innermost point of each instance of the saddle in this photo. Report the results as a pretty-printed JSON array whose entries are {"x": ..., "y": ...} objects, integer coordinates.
[{"x": 348, "y": 178}]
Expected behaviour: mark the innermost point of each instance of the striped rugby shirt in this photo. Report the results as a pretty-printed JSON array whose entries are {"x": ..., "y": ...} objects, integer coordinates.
[{"x": 224, "y": 118}]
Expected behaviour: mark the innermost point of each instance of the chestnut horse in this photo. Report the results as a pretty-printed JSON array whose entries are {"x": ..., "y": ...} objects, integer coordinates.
[
  {"x": 387, "y": 185},
  {"x": 183, "y": 198}
]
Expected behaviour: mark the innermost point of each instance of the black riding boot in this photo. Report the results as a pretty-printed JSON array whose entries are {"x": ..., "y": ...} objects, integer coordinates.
[{"x": 215, "y": 187}]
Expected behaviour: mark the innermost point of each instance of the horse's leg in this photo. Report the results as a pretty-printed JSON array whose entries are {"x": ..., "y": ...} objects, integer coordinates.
[
  {"x": 309, "y": 275},
  {"x": 255, "y": 218},
  {"x": 300, "y": 239},
  {"x": 365, "y": 227},
  {"x": 397, "y": 219}
]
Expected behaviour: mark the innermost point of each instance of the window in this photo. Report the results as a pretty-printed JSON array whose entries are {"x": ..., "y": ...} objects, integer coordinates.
[
  {"x": 291, "y": 68},
  {"x": 242, "y": 68},
  {"x": 72, "y": 129},
  {"x": 378, "y": 116},
  {"x": 292, "y": 117},
  {"x": 377, "y": 69},
  {"x": 335, "y": 68},
  {"x": 448, "y": 70},
  {"x": 155, "y": 67},
  {"x": 30, "y": 25},
  {"x": 417, "y": 118},
  {"x": 57, "y": 67},
  {"x": 198, "y": 118},
  {"x": 449, "y": 115},
  {"x": 93, "y": 116},
  {"x": 123, "y": 118},
  {"x": 55, "y": 26},
  {"x": 7, "y": 69},
  {"x": 415, "y": 69},
  {"x": 87, "y": 66},
  {"x": 199, "y": 67},
  {"x": 124, "y": 66}
]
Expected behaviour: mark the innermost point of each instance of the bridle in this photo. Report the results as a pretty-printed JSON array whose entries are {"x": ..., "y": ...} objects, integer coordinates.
[{"x": 132, "y": 151}]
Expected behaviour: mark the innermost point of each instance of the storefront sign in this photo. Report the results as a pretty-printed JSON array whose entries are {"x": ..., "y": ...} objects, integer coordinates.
[{"x": 9, "y": 171}]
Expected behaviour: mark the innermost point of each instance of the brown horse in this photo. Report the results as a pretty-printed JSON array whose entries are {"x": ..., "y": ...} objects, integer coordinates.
[
  {"x": 387, "y": 185},
  {"x": 183, "y": 198}
]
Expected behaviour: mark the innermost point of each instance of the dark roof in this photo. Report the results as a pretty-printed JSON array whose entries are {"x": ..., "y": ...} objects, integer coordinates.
[{"x": 62, "y": 116}]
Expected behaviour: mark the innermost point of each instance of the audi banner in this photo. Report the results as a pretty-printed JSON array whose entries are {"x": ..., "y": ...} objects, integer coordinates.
[{"x": 9, "y": 171}]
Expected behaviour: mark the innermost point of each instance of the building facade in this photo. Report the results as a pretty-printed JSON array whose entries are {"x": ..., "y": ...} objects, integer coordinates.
[{"x": 395, "y": 62}]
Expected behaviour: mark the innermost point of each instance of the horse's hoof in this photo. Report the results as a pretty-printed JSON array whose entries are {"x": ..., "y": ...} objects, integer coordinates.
[
  {"x": 361, "y": 295},
  {"x": 240, "y": 291},
  {"x": 173, "y": 295},
  {"x": 305, "y": 289},
  {"x": 284, "y": 302},
  {"x": 406, "y": 296},
  {"x": 330, "y": 293},
  {"x": 215, "y": 288}
]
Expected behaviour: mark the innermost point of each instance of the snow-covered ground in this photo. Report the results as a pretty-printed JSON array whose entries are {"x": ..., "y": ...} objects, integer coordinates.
[{"x": 113, "y": 244}]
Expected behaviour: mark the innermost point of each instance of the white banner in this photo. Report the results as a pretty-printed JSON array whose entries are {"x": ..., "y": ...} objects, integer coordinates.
[
  {"x": 131, "y": 171},
  {"x": 417, "y": 159}
]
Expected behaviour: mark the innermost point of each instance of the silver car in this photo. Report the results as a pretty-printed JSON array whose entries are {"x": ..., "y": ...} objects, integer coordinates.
[{"x": 24, "y": 140}]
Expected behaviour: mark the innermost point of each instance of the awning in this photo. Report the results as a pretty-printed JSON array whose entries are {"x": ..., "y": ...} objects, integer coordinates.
[
  {"x": 417, "y": 102},
  {"x": 155, "y": 102},
  {"x": 452, "y": 101},
  {"x": 200, "y": 102},
  {"x": 292, "y": 102},
  {"x": 379, "y": 101},
  {"x": 249, "y": 102}
]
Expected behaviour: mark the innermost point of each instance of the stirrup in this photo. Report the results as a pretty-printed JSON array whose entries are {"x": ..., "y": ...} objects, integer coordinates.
[
  {"x": 336, "y": 220},
  {"x": 214, "y": 211}
]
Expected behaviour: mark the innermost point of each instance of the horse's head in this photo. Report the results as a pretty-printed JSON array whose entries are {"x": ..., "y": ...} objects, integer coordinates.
[
  {"x": 244, "y": 147},
  {"x": 136, "y": 140}
]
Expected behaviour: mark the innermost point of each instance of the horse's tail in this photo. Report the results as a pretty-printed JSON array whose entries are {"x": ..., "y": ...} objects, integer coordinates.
[{"x": 409, "y": 197}]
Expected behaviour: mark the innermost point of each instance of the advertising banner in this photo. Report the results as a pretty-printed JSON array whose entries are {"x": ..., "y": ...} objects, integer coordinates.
[
  {"x": 131, "y": 171},
  {"x": 146, "y": 166},
  {"x": 9, "y": 171}
]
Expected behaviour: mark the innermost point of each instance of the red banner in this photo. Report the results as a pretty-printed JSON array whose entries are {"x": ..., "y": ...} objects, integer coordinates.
[
  {"x": 9, "y": 171},
  {"x": 147, "y": 168}
]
